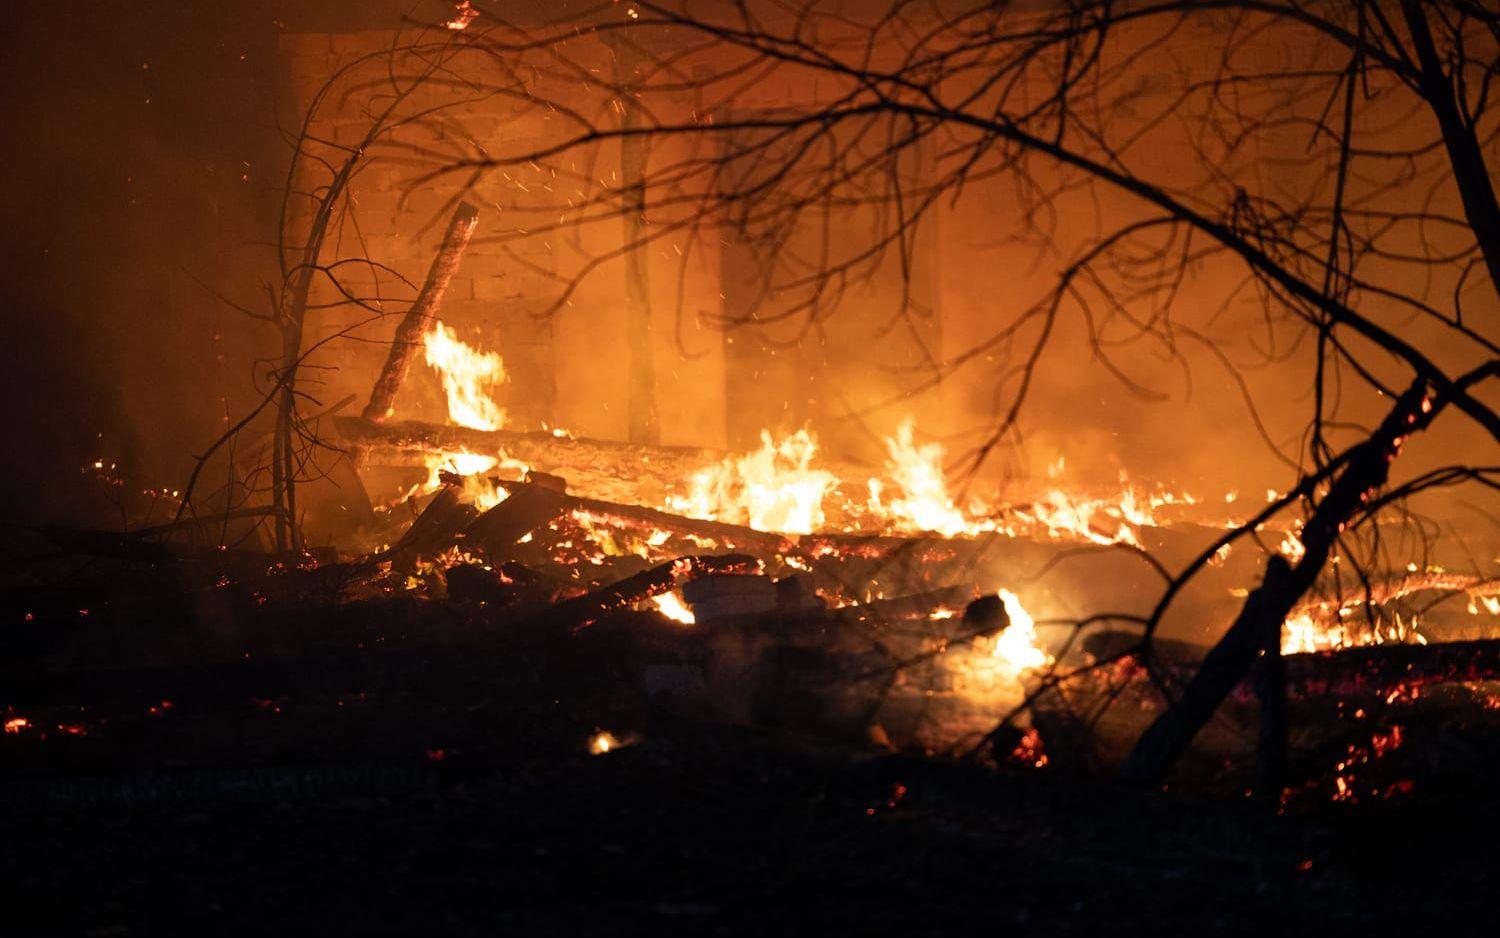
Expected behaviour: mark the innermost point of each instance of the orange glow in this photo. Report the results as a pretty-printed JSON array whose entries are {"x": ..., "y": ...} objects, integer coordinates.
[{"x": 16, "y": 724}]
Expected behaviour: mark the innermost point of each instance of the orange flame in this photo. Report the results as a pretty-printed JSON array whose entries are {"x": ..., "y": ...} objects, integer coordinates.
[
  {"x": 672, "y": 606},
  {"x": 1304, "y": 634},
  {"x": 924, "y": 503},
  {"x": 473, "y": 467},
  {"x": 602, "y": 742},
  {"x": 770, "y": 489},
  {"x": 1017, "y": 648},
  {"x": 463, "y": 14},
  {"x": 468, "y": 376},
  {"x": 991, "y": 668}
]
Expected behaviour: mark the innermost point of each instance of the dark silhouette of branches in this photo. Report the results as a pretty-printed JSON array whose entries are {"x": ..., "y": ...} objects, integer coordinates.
[
  {"x": 1327, "y": 165},
  {"x": 1373, "y": 247}
]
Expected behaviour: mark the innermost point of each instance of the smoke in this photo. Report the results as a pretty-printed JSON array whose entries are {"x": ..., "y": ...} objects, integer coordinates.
[{"x": 142, "y": 160}]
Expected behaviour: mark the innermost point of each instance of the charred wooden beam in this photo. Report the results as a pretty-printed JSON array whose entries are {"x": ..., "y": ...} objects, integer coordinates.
[
  {"x": 437, "y": 527},
  {"x": 410, "y": 441},
  {"x": 1383, "y": 670},
  {"x": 731, "y": 536},
  {"x": 527, "y": 508},
  {"x": 588, "y": 608}
]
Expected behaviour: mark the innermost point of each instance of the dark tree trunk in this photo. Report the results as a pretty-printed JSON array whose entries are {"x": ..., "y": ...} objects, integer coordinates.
[{"x": 1228, "y": 662}]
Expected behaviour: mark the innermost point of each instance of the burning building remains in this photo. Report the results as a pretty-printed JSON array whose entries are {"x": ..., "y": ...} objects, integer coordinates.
[{"x": 1101, "y": 391}]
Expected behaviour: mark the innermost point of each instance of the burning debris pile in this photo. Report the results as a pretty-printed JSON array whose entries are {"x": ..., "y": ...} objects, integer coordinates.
[{"x": 773, "y": 587}]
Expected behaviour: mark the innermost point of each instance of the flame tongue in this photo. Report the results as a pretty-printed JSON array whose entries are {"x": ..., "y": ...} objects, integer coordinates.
[
  {"x": 770, "y": 489},
  {"x": 924, "y": 503},
  {"x": 468, "y": 377}
]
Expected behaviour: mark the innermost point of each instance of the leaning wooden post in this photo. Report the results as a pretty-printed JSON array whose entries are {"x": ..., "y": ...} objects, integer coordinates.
[{"x": 424, "y": 308}]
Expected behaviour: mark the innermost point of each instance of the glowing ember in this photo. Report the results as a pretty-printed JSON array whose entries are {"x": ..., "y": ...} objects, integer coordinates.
[
  {"x": 770, "y": 489},
  {"x": 602, "y": 742},
  {"x": 16, "y": 724},
  {"x": 468, "y": 377},
  {"x": 1029, "y": 751},
  {"x": 672, "y": 606}
]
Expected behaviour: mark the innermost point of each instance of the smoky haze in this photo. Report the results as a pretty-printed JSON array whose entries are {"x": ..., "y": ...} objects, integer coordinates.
[
  {"x": 142, "y": 157},
  {"x": 144, "y": 172}
]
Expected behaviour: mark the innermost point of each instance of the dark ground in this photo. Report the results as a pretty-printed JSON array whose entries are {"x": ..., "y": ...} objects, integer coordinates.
[
  {"x": 401, "y": 766},
  {"x": 335, "y": 815}
]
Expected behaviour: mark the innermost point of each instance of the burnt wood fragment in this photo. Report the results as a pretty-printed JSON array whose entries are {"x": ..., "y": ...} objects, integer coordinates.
[
  {"x": 527, "y": 508},
  {"x": 437, "y": 527},
  {"x": 584, "y": 610}
]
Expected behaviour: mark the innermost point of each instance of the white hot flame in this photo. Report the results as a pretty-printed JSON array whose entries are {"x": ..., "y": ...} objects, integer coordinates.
[{"x": 672, "y": 606}]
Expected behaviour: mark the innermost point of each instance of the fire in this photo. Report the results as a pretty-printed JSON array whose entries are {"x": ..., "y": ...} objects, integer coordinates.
[
  {"x": 612, "y": 539},
  {"x": 775, "y": 488},
  {"x": 456, "y": 463},
  {"x": 770, "y": 489},
  {"x": 1291, "y": 546},
  {"x": 1017, "y": 648},
  {"x": 463, "y": 14},
  {"x": 991, "y": 668},
  {"x": 468, "y": 375},
  {"x": 1304, "y": 634},
  {"x": 1102, "y": 521},
  {"x": 924, "y": 503},
  {"x": 672, "y": 606},
  {"x": 477, "y": 487},
  {"x": 16, "y": 724}
]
